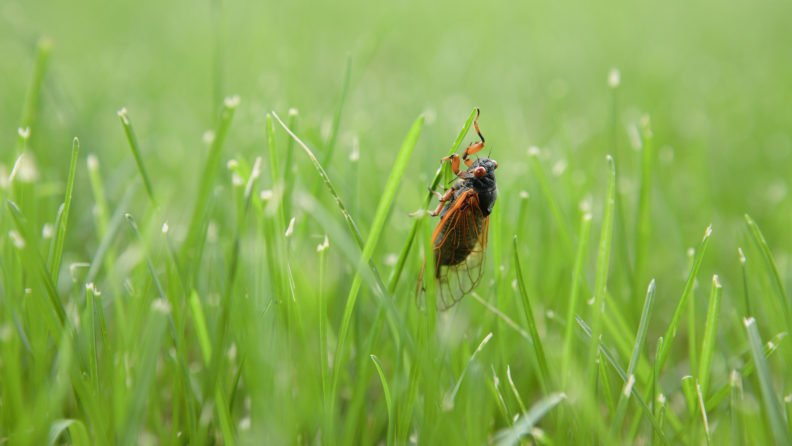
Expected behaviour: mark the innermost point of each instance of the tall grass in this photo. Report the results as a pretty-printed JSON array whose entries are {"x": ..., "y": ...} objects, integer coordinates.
[{"x": 199, "y": 309}]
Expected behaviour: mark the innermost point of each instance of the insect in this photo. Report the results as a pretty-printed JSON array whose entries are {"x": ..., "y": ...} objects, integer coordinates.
[{"x": 459, "y": 242}]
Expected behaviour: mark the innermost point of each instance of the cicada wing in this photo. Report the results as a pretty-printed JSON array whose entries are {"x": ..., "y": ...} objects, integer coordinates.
[{"x": 460, "y": 244}]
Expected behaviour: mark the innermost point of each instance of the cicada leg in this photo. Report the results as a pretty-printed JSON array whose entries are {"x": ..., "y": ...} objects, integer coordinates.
[{"x": 475, "y": 147}]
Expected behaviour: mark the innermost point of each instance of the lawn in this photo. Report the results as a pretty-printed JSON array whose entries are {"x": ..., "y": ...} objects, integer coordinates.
[{"x": 205, "y": 239}]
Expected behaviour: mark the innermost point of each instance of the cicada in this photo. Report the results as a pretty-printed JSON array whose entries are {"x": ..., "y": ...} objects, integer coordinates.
[{"x": 459, "y": 243}]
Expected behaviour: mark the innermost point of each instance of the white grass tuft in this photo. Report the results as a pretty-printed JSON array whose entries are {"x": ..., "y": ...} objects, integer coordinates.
[
  {"x": 24, "y": 132},
  {"x": 160, "y": 305},
  {"x": 232, "y": 165},
  {"x": 748, "y": 321},
  {"x": 208, "y": 137},
  {"x": 293, "y": 112},
  {"x": 629, "y": 385},
  {"x": 614, "y": 77},
  {"x": 524, "y": 195},
  {"x": 19, "y": 242},
  {"x": 123, "y": 115},
  {"x": 708, "y": 232},
  {"x": 290, "y": 229},
  {"x": 534, "y": 151},
  {"x": 93, "y": 162},
  {"x": 47, "y": 230},
  {"x": 165, "y": 228},
  {"x": 266, "y": 195},
  {"x": 232, "y": 101},
  {"x": 354, "y": 155},
  {"x": 742, "y": 255}
]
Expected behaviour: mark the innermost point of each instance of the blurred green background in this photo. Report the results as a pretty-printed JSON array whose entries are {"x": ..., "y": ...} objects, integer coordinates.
[{"x": 713, "y": 76}]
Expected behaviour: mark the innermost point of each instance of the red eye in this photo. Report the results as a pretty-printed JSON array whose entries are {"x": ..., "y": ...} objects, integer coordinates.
[
  {"x": 479, "y": 172},
  {"x": 495, "y": 163}
]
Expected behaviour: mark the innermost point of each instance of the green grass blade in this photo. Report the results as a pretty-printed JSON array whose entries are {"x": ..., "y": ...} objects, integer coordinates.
[
  {"x": 385, "y": 390},
  {"x": 199, "y": 323},
  {"x": 108, "y": 357},
  {"x": 90, "y": 326},
  {"x": 544, "y": 371},
  {"x": 710, "y": 335},
  {"x": 329, "y": 146},
  {"x": 638, "y": 398},
  {"x": 525, "y": 423},
  {"x": 514, "y": 390},
  {"x": 643, "y": 231},
  {"x": 736, "y": 409},
  {"x": 289, "y": 169},
  {"x": 760, "y": 241},
  {"x": 658, "y": 399},
  {"x": 30, "y": 106},
  {"x": 135, "y": 147},
  {"x": 152, "y": 341},
  {"x": 640, "y": 339},
  {"x": 38, "y": 264},
  {"x": 399, "y": 166},
  {"x": 748, "y": 308},
  {"x": 503, "y": 317},
  {"x": 397, "y": 270},
  {"x": 700, "y": 399},
  {"x": 670, "y": 332},
  {"x": 721, "y": 394},
  {"x": 770, "y": 400},
  {"x": 77, "y": 431},
  {"x": 60, "y": 232},
  {"x": 207, "y": 175},
  {"x": 411, "y": 392},
  {"x": 601, "y": 282},
  {"x": 555, "y": 209},
  {"x": 574, "y": 295},
  {"x": 386, "y": 299},
  {"x": 448, "y": 401}
]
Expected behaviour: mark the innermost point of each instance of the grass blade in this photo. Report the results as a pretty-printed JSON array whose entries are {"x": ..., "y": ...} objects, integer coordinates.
[
  {"x": 60, "y": 232},
  {"x": 514, "y": 390},
  {"x": 399, "y": 166},
  {"x": 759, "y": 238},
  {"x": 397, "y": 270},
  {"x": 601, "y": 282},
  {"x": 574, "y": 294},
  {"x": 135, "y": 147},
  {"x": 703, "y": 413},
  {"x": 448, "y": 401},
  {"x": 736, "y": 409},
  {"x": 386, "y": 390},
  {"x": 710, "y": 334},
  {"x": 525, "y": 423},
  {"x": 640, "y": 338},
  {"x": 638, "y": 398},
  {"x": 643, "y": 230},
  {"x": 329, "y": 146},
  {"x": 77, "y": 431},
  {"x": 152, "y": 341},
  {"x": 555, "y": 209},
  {"x": 90, "y": 325},
  {"x": 381, "y": 290},
  {"x": 769, "y": 398},
  {"x": 544, "y": 370},
  {"x": 670, "y": 332},
  {"x": 208, "y": 173},
  {"x": 199, "y": 323},
  {"x": 30, "y": 106},
  {"x": 721, "y": 394}
]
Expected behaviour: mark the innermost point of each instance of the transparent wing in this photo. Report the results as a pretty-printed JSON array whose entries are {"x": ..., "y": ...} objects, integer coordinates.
[{"x": 460, "y": 244}]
